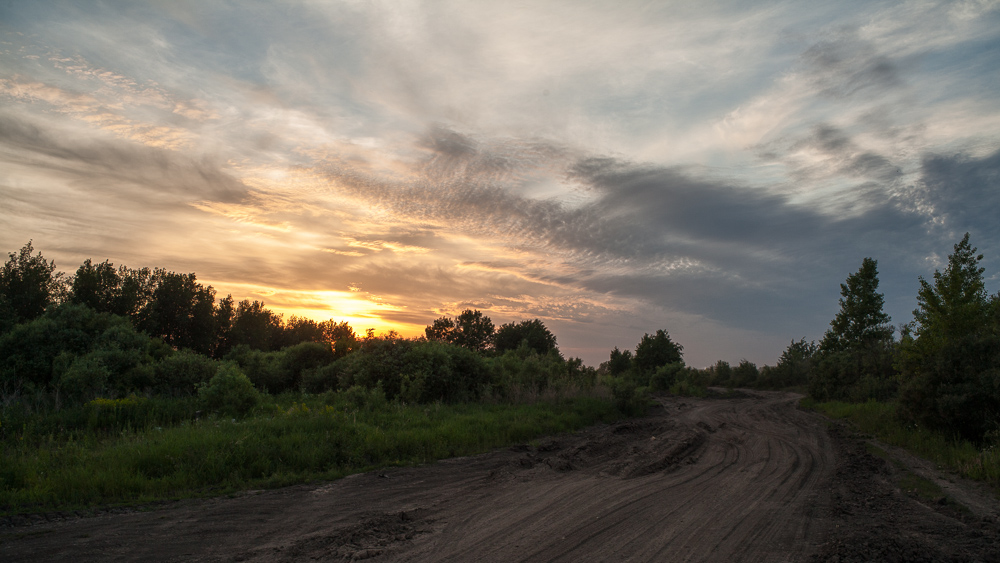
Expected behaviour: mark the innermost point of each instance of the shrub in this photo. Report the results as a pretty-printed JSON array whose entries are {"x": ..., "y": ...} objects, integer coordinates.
[
  {"x": 666, "y": 375},
  {"x": 229, "y": 392},
  {"x": 297, "y": 359},
  {"x": 321, "y": 379},
  {"x": 630, "y": 399},
  {"x": 264, "y": 369},
  {"x": 182, "y": 372}
]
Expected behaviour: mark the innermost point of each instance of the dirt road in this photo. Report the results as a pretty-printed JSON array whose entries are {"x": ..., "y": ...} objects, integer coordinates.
[{"x": 744, "y": 479}]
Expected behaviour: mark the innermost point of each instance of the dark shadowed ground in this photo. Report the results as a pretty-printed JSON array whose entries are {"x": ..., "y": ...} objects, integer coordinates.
[{"x": 721, "y": 479}]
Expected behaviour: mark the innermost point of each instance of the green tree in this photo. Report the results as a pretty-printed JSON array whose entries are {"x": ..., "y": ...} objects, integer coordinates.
[
  {"x": 654, "y": 351},
  {"x": 793, "y": 367},
  {"x": 474, "y": 330},
  {"x": 441, "y": 329},
  {"x": 855, "y": 355},
  {"x": 471, "y": 329},
  {"x": 29, "y": 284},
  {"x": 861, "y": 322},
  {"x": 619, "y": 362},
  {"x": 341, "y": 337},
  {"x": 950, "y": 355},
  {"x": 256, "y": 326},
  {"x": 182, "y": 312},
  {"x": 531, "y": 333}
]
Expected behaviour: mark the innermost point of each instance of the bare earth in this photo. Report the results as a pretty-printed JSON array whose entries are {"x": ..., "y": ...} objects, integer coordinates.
[{"x": 720, "y": 479}]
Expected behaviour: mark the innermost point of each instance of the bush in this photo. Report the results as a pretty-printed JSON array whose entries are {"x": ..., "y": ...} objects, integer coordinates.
[
  {"x": 322, "y": 379},
  {"x": 630, "y": 399},
  {"x": 229, "y": 392},
  {"x": 265, "y": 370},
  {"x": 666, "y": 376},
  {"x": 296, "y": 360},
  {"x": 182, "y": 372}
]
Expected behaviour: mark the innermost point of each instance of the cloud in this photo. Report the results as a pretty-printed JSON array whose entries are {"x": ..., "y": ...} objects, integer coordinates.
[
  {"x": 848, "y": 66},
  {"x": 965, "y": 194},
  {"x": 100, "y": 162}
]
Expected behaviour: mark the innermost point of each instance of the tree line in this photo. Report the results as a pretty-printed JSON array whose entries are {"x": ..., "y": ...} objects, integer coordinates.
[
  {"x": 109, "y": 331},
  {"x": 942, "y": 372}
]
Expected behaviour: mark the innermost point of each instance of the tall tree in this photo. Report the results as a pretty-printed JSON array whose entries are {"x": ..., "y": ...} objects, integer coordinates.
[
  {"x": 950, "y": 355},
  {"x": 861, "y": 322},
  {"x": 29, "y": 284},
  {"x": 855, "y": 355}
]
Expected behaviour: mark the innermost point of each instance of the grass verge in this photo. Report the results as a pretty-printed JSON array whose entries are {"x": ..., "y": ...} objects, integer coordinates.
[
  {"x": 296, "y": 439},
  {"x": 880, "y": 420}
]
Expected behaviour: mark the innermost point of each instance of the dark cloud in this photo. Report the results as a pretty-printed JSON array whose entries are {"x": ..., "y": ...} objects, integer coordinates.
[
  {"x": 705, "y": 246},
  {"x": 965, "y": 193}
]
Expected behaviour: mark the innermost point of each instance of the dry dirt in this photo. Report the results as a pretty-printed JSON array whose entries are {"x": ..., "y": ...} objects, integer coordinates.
[{"x": 750, "y": 478}]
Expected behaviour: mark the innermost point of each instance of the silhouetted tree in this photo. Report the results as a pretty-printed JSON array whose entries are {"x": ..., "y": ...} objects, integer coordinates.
[
  {"x": 182, "y": 312},
  {"x": 619, "y": 362},
  {"x": 855, "y": 356},
  {"x": 472, "y": 329},
  {"x": 531, "y": 333},
  {"x": 29, "y": 284},
  {"x": 654, "y": 351},
  {"x": 441, "y": 329},
  {"x": 256, "y": 326},
  {"x": 341, "y": 336}
]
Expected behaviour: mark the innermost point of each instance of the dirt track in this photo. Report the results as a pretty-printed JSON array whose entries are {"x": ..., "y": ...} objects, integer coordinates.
[{"x": 746, "y": 479}]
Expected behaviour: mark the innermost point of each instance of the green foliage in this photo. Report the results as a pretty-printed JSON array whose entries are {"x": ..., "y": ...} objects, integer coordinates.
[
  {"x": 630, "y": 399},
  {"x": 654, "y": 351},
  {"x": 302, "y": 439},
  {"x": 29, "y": 284},
  {"x": 181, "y": 373},
  {"x": 302, "y": 357},
  {"x": 27, "y": 353},
  {"x": 471, "y": 330},
  {"x": 122, "y": 291},
  {"x": 666, "y": 375},
  {"x": 414, "y": 371},
  {"x": 619, "y": 362},
  {"x": 264, "y": 369},
  {"x": 181, "y": 312},
  {"x": 793, "y": 367},
  {"x": 525, "y": 371},
  {"x": 861, "y": 322},
  {"x": 949, "y": 359},
  {"x": 882, "y": 420},
  {"x": 229, "y": 392},
  {"x": 531, "y": 333},
  {"x": 856, "y": 355}
]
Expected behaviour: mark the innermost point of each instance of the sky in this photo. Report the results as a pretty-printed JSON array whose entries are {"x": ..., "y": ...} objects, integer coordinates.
[{"x": 713, "y": 169}]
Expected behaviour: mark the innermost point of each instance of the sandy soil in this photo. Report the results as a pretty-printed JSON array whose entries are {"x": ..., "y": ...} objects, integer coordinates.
[{"x": 725, "y": 479}]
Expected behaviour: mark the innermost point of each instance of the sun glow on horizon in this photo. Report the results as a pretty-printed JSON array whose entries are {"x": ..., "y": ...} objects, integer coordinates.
[{"x": 360, "y": 310}]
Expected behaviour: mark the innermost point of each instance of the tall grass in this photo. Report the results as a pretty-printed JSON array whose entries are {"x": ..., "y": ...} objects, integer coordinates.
[
  {"x": 880, "y": 420},
  {"x": 295, "y": 439}
]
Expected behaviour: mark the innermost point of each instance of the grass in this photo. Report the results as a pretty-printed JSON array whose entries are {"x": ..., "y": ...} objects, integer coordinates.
[
  {"x": 295, "y": 439},
  {"x": 880, "y": 420}
]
